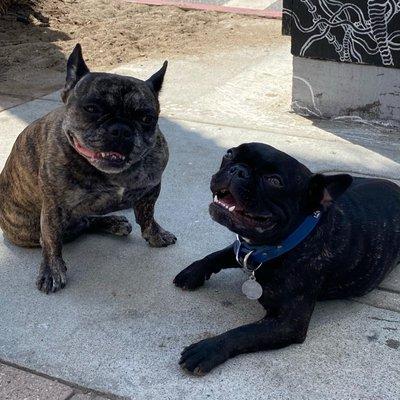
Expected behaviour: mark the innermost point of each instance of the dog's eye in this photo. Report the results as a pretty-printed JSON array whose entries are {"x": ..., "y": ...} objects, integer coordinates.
[
  {"x": 274, "y": 181},
  {"x": 91, "y": 109},
  {"x": 229, "y": 155},
  {"x": 146, "y": 119}
]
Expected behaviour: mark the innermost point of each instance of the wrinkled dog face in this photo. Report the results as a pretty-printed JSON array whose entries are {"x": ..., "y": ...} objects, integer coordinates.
[
  {"x": 110, "y": 119},
  {"x": 262, "y": 194}
]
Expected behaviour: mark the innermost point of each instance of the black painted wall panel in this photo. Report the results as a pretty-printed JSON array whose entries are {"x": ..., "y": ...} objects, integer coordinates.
[
  {"x": 286, "y": 17},
  {"x": 358, "y": 31}
]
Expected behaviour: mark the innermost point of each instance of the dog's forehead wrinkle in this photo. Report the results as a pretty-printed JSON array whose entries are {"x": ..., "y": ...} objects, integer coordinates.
[
  {"x": 258, "y": 158},
  {"x": 138, "y": 99},
  {"x": 111, "y": 88},
  {"x": 267, "y": 157}
]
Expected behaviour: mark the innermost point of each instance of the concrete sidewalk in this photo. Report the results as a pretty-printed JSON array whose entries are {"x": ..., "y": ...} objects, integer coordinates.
[
  {"x": 20, "y": 384},
  {"x": 120, "y": 324}
]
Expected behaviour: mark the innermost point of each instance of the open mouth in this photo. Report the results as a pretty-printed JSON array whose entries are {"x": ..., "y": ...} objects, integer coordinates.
[
  {"x": 110, "y": 156},
  {"x": 225, "y": 200}
]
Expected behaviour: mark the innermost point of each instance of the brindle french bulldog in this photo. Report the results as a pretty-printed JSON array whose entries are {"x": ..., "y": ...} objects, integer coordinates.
[
  {"x": 101, "y": 152},
  {"x": 266, "y": 196}
]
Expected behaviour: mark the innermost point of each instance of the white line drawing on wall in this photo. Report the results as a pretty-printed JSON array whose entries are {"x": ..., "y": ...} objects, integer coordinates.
[{"x": 368, "y": 34}]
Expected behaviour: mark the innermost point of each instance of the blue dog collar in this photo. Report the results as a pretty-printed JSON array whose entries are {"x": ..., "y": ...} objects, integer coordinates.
[{"x": 252, "y": 257}]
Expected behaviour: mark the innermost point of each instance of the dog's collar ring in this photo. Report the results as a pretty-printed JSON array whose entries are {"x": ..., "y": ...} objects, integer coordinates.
[
  {"x": 245, "y": 265},
  {"x": 245, "y": 262}
]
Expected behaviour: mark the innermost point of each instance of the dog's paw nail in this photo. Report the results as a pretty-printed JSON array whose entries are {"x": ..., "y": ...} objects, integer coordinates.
[
  {"x": 120, "y": 226},
  {"x": 124, "y": 230},
  {"x": 161, "y": 239},
  {"x": 200, "y": 358},
  {"x": 198, "y": 371},
  {"x": 51, "y": 281}
]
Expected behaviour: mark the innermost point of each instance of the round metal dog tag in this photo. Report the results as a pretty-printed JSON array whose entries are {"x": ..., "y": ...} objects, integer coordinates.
[{"x": 252, "y": 289}]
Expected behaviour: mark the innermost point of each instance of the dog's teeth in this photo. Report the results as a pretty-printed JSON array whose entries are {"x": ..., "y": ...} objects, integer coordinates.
[
  {"x": 231, "y": 209},
  {"x": 215, "y": 199},
  {"x": 103, "y": 155}
]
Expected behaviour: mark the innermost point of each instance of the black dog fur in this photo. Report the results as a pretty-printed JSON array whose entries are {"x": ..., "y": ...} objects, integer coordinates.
[{"x": 355, "y": 244}]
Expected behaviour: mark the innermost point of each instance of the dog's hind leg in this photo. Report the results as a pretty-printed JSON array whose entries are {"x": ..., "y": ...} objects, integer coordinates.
[
  {"x": 76, "y": 229},
  {"x": 113, "y": 224}
]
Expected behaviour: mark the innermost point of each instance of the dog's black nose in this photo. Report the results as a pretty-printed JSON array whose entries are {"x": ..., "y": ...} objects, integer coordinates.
[
  {"x": 120, "y": 130},
  {"x": 240, "y": 171}
]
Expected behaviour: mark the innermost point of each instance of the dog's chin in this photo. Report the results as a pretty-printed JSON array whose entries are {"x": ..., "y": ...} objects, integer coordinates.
[
  {"x": 109, "y": 167},
  {"x": 256, "y": 230},
  {"x": 110, "y": 162}
]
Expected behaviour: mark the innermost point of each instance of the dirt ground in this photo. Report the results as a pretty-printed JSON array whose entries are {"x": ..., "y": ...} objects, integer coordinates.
[{"x": 36, "y": 37}]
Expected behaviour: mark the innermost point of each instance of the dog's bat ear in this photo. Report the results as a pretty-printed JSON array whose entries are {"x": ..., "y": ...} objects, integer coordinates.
[
  {"x": 323, "y": 190},
  {"x": 76, "y": 69},
  {"x": 156, "y": 81}
]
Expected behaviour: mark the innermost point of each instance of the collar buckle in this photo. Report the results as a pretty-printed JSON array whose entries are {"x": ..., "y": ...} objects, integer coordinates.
[{"x": 316, "y": 214}]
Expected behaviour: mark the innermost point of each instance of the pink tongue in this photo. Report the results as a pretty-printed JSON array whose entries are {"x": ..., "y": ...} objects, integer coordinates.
[{"x": 83, "y": 150}]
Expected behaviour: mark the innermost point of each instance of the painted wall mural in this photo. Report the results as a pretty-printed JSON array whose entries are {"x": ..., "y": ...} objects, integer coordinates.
[{"x": 359, "y": 31}]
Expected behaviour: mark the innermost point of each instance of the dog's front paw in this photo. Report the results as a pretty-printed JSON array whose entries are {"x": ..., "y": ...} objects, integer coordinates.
[
  {"x": 52, "y": 276},
  {"x": 191, "y": 277},
  {"x": 158, "y": 237},
  {"x": 200, "y": 358}
]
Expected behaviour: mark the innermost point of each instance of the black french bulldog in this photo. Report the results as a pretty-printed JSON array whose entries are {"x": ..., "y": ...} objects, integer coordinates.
[
  {"x": 265, "y": 196},
  {"x": 101, "y": 152}
]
